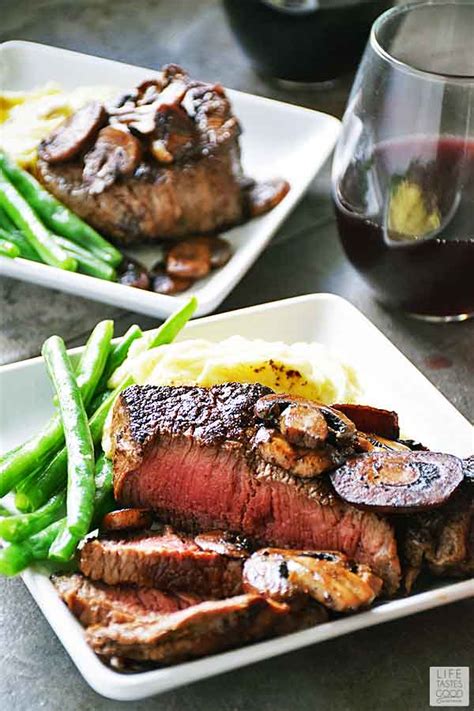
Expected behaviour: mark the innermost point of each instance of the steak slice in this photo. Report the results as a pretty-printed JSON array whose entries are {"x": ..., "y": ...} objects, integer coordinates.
[
  {"x": 440, "y": 541},
  {"x": 188, "y": 453},
  {"x": 166, "y": 560},
  {"x": 202, "y": 629},
  {"x": 96, "y": 603}
]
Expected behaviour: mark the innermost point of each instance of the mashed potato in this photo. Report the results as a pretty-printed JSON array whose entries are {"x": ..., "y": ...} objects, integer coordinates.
[
  {"x": 26, "y": 117},
  {"x": 307, "y": 369}
]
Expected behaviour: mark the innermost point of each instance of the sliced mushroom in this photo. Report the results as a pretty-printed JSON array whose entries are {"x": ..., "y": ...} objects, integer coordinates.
[
  {"x": 163, "y": 283},
  {"x": 299, "y": 461},
  {"x": 226, "y": 543},
  {"x": 148, "y": 91},
  {"x": 189, "y": 259},
  {"x": 116, "y": 153},
  {"x": 266, "y": 195},
  {"x": 74, "y": 135},
  {"x": 132, "y": 273},
  {"x": 139, "y": 119},
  {"x": 372, "y": 419},
  {"x": 370, "y": 442},
  {"x": 127, "y": 519},
  {"x": 326, "y": 576},
  {"x": 340, "y": 430},
  {"x": 398, "y": 482},
  {"x": 468, "y": 469}
]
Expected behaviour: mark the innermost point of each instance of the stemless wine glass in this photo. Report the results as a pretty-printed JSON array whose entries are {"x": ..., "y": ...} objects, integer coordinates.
[{"x": 403, "y": 172}]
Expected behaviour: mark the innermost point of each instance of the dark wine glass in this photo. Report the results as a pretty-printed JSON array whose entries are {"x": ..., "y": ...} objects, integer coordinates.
[
  {"x": 403, "y": 172},
  {"x": 309, "y": 41}
]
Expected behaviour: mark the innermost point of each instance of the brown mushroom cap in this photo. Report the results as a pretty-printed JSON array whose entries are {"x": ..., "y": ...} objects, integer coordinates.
[
  {"x": 339, "y": 429},
  {"x": 127, "y": 519},
  {"x": 264, "y": 196},
  {"x": 398, "y": 482},
  {"x": 74, "y": 134},
  {"x": 189, "y": 259},
  {"x": 163, "y": 283},
  {"x": 132, "y": 273}
]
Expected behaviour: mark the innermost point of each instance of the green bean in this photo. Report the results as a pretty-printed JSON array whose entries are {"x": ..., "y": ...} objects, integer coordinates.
[
  {"x": 26, "y": 220},
  {"x": 26, "y": 250},
  {"x": 8, "y": 249},
  {"x": 88, "y": 263},
  {"x": 4, "y": 511},
  {"x": 168, "y": 330},
  {"x": 18, "y": 556},
  {"x": 79, "y": 445},
  {"x": 93, "y": 360},
  {"x": 57, "y": 216},
  {"x": 17, "y": 527},
  {"x": 30, "y": 456},
  {"x": 65, "y": 544},
  {"x": 35, "y": 491},
  {"x": 118, "y": 354},
  {"x": 5, "y": 222},
  {"x": 97, "y": 401},
  {"x": 38, "y": 451}
]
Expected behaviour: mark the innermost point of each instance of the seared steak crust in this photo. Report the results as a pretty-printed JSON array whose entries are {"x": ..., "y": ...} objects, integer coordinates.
[
  {"x": 212, "y": 416},
  {"x": 188, "y": 453},
  {"x": 168, "y": 561}
]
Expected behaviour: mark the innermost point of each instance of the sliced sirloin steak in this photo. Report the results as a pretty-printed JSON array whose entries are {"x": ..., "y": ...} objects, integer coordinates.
[
  {"x": 187, "y": 453},
  {"x": 96, "y": 603},
  {"x": 165, "y": 560},
  {"x": 206, "y": 628}
]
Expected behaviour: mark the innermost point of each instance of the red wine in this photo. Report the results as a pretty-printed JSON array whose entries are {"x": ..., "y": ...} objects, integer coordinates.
[
  {"x": 303, "y": 40},
  {"x": 423, "y": 181}
]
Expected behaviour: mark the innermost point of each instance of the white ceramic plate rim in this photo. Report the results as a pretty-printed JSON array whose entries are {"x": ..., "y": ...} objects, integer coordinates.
[
  {"x": 129, "y": 687},
  {"x": 212, "y": 291}
]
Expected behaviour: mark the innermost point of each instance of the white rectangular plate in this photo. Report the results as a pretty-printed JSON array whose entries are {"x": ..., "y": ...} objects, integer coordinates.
[
  {"x": 389, "y": 380},
  {"x": 279, "y": 140}
]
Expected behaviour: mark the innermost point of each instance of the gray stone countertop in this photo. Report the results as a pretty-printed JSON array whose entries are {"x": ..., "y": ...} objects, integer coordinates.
[{"x": 380, "y": 668}]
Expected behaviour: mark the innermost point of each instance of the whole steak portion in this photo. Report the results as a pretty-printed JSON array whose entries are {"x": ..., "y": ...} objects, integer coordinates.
[
  {"x": 188, "y": 453},
  {"x": 161, "y": 162},
  {"x": 157, "y": 201}
]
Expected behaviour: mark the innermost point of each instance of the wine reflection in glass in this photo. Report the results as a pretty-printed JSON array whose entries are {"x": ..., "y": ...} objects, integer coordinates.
[{"x": 403, "y": 172}]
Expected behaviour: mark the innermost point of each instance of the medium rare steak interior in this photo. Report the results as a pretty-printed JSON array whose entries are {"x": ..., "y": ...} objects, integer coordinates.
[
  {"x": 195, "y": 456},
  {"x": 163, "y": 161},
  {"x": 97, "y": 603}
]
